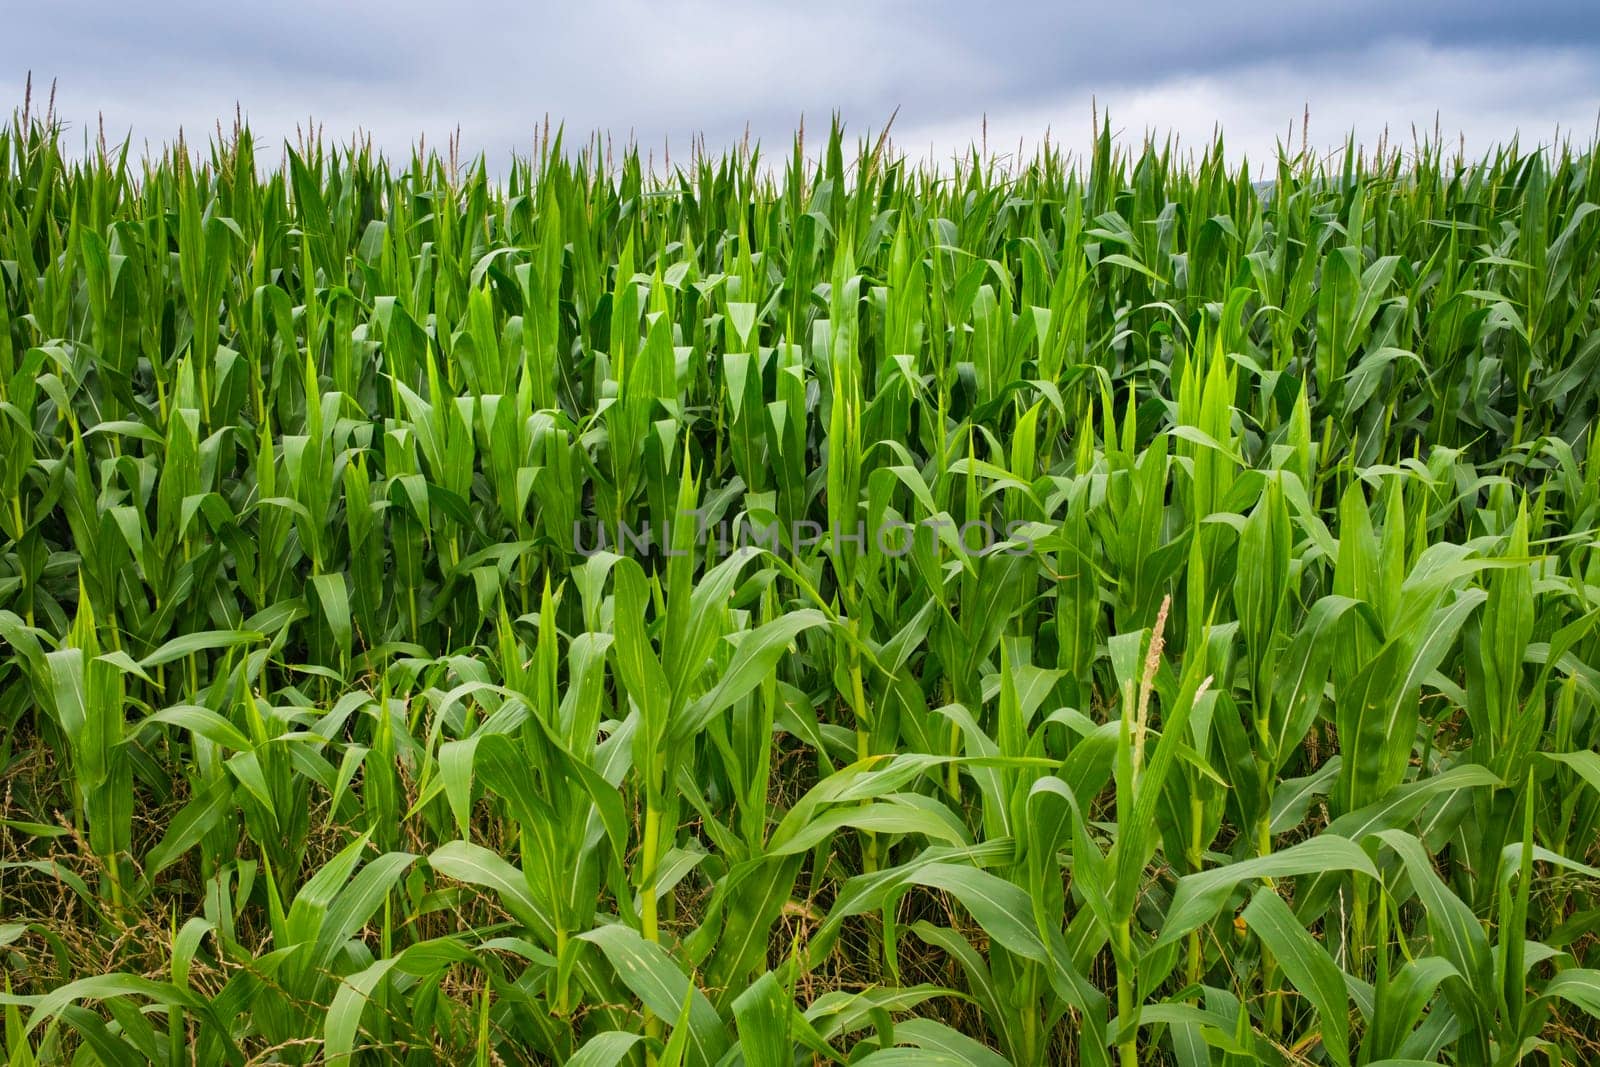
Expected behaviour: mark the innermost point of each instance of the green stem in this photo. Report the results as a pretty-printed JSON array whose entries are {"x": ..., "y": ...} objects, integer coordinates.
[
  {"x": 16, "y": 513},
  {"x": 562, "y": 1004},
  {"x": 858, "y": 697},
  {"x": 648, "y": 865},
  {"x": 1128, "y": 1048},
  {"x": 647, "y": 874},
  {"x": 1196, "y": 823},
  {"x": 1269, "y": 966},
  {"x": 1358, "y": 926},
  {"x": 954, "y": 771}
]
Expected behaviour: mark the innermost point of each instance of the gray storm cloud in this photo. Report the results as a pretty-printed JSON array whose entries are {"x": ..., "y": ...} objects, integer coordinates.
[{"x": 663, "y": 72}]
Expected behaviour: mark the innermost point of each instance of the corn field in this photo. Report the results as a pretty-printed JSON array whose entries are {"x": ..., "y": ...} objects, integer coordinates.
[{"x": 1127, "y": 607}]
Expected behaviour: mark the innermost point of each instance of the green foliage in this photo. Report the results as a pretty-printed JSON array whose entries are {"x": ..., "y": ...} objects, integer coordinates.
[{"x": 785, "y": 611}]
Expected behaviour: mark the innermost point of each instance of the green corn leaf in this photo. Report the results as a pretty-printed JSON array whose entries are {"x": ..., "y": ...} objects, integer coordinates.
[
  {"x": 1199, "y": 896},
  {"x": 1308, "y": 966},
  {"x": 652, "y": 976}
]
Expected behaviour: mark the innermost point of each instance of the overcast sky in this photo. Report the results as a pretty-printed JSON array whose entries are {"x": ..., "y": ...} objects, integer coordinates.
[{"x": 666, "y": 71}]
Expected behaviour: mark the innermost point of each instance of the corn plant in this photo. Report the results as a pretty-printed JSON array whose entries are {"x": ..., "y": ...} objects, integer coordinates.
[{"x": 803, "y": 608}]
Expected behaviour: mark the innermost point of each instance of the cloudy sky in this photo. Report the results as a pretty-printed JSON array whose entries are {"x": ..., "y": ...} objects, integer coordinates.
[{"x": 666, "y": 71}]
